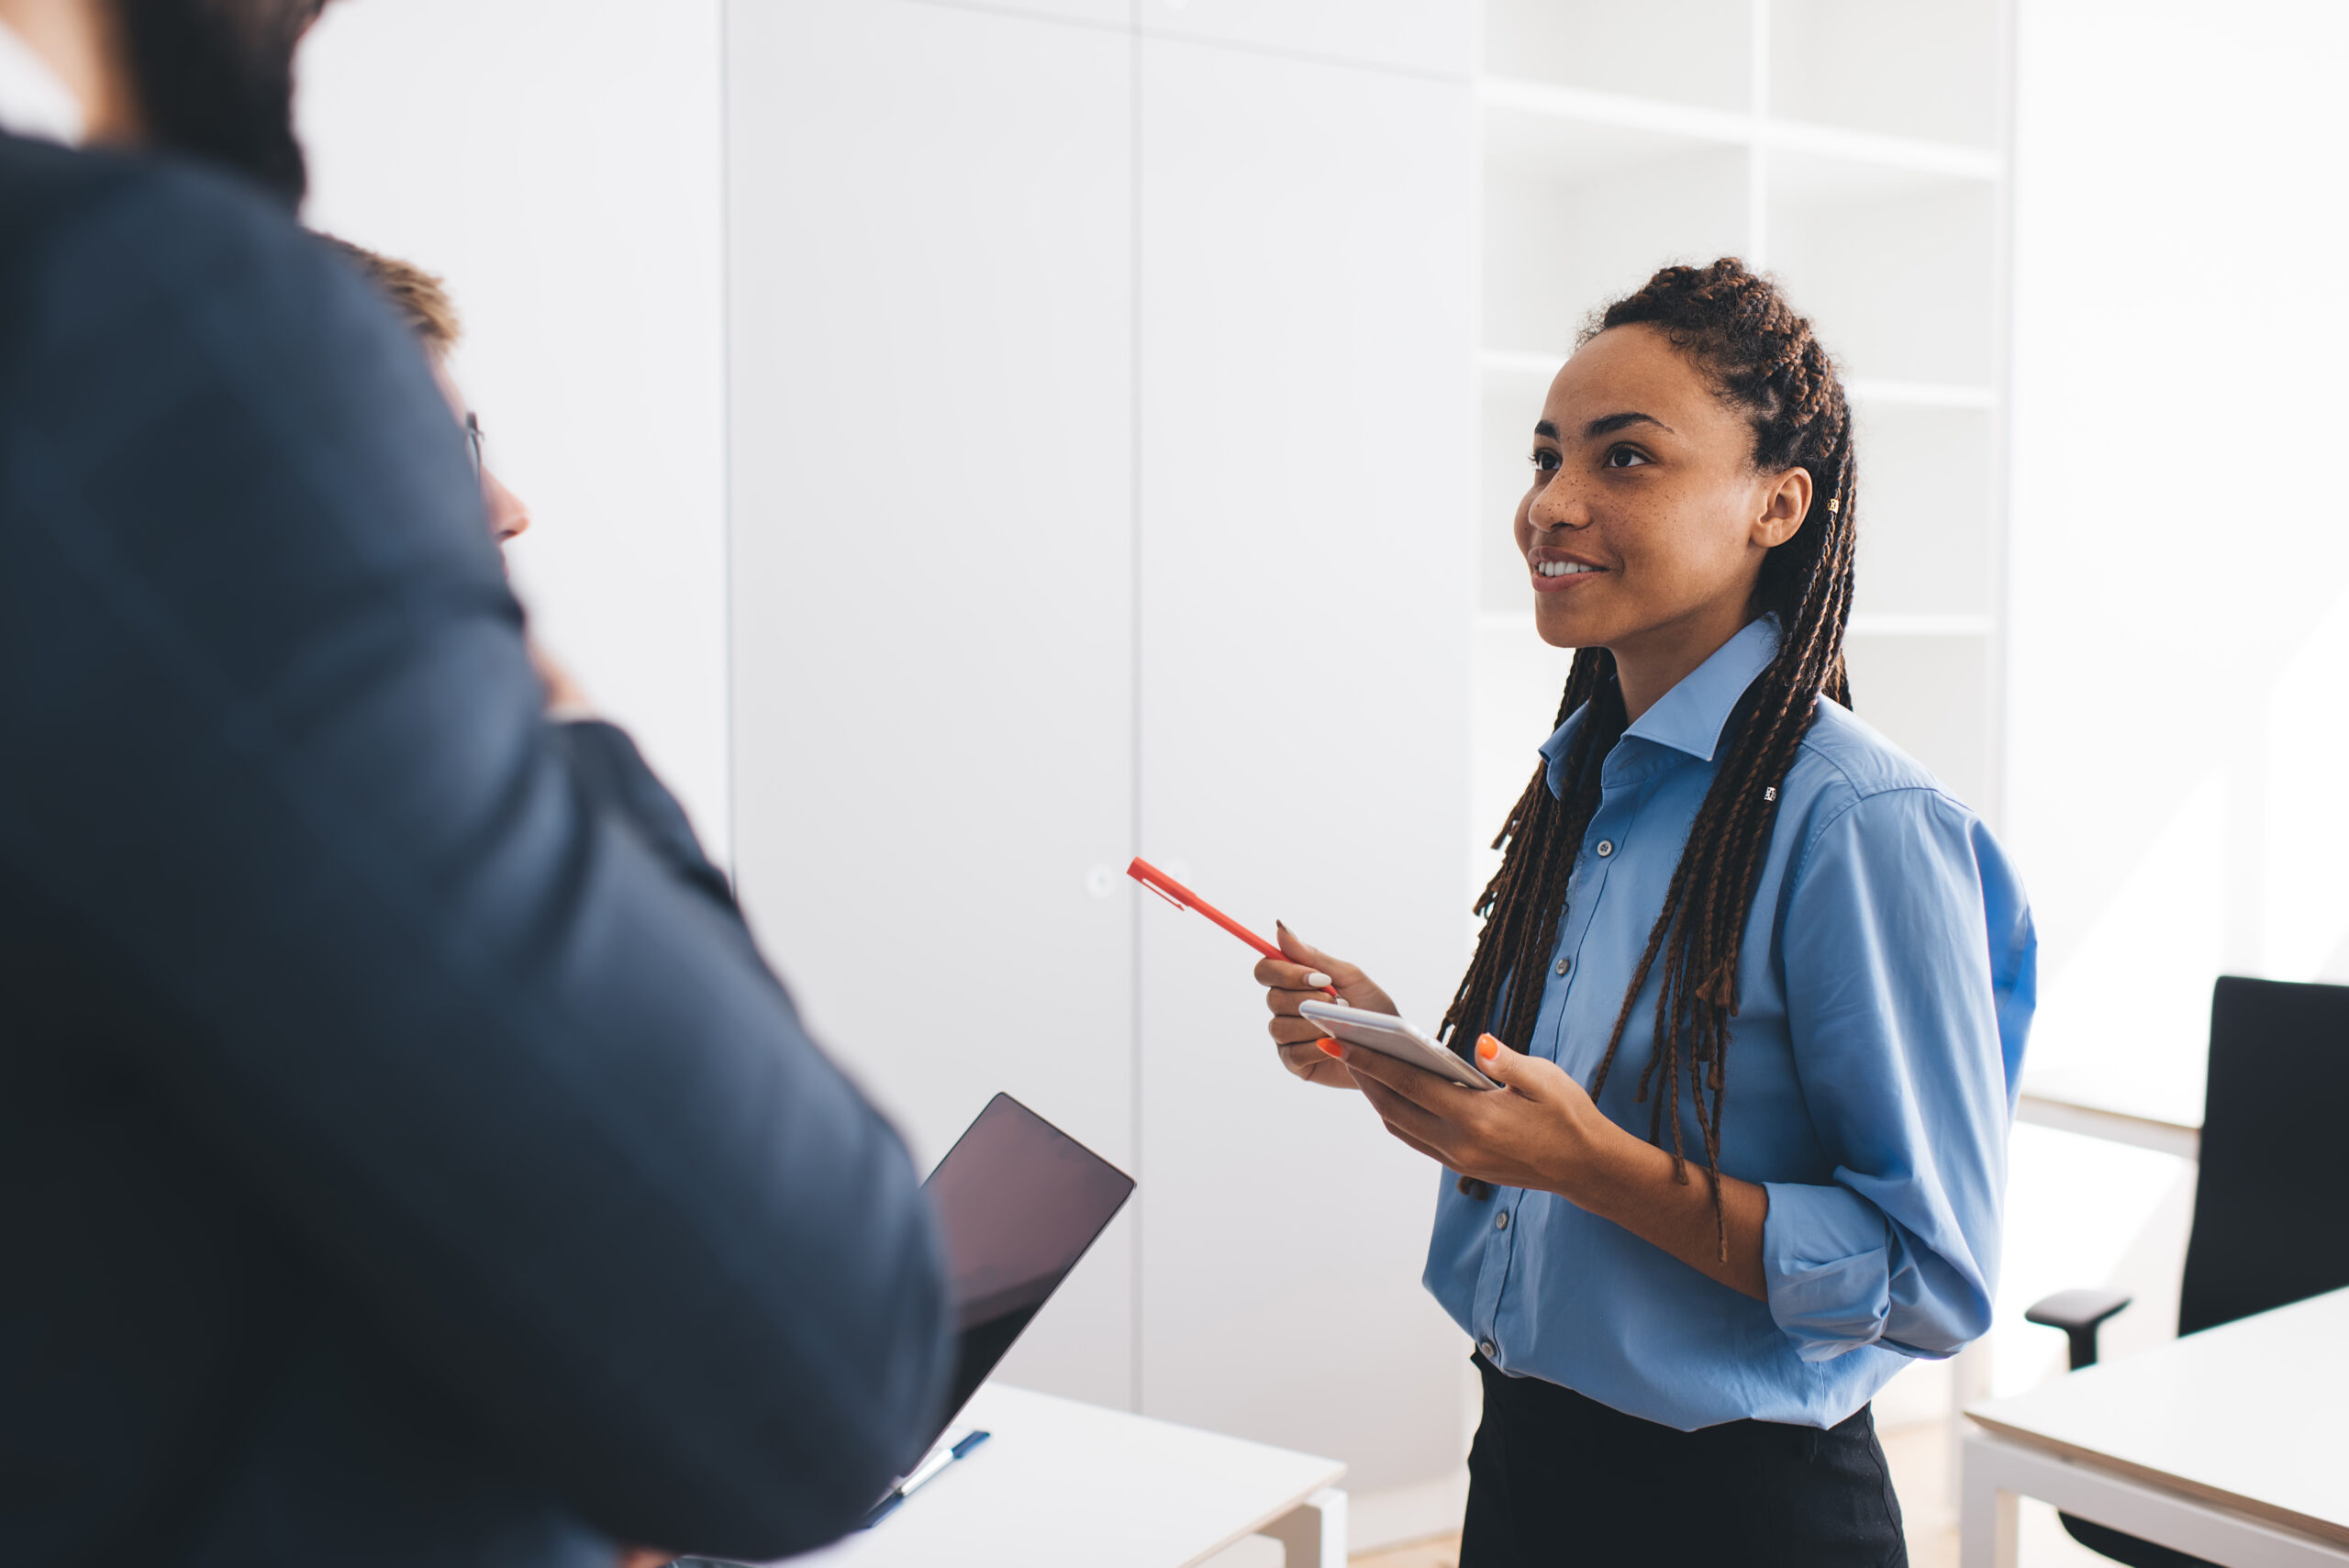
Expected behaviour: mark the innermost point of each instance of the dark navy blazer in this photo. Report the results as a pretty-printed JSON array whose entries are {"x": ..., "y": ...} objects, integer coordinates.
[{"x": 405, "y": 1156}]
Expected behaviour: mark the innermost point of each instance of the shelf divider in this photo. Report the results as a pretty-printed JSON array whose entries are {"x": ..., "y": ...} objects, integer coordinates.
[
  {"x": 1585, "y": 105},
  {"x": 1730, "y": 127}
]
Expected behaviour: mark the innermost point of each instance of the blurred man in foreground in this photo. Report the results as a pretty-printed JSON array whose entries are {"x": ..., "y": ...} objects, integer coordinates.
[{"x": 401, "y": 1160}]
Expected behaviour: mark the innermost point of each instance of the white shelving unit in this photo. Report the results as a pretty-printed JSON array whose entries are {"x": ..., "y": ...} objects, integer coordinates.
[{"x": 1858, "y": 151}]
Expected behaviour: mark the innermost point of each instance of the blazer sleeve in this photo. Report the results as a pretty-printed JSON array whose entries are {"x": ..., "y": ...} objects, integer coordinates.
[
  {"x": 607, "y": 764},
  {"x": 276, "y": 746},
  {"x": 1908, "y": 954}
]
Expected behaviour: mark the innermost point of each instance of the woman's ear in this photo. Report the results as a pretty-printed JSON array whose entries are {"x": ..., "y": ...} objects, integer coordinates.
[{"x": 1785, "y": 504}]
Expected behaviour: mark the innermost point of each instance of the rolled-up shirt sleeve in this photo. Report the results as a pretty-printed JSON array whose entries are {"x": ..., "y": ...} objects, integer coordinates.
[{"x": 1909, "y": 980}]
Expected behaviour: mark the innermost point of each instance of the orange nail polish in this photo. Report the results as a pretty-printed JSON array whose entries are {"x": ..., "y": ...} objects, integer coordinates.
[
  {"x": 1488, "y": 1048},
  {"x": 1330, "y": 1047}
]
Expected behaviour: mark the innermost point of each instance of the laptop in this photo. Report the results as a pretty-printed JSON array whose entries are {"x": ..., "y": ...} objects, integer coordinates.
[{"x": 1019, "y": 1202}]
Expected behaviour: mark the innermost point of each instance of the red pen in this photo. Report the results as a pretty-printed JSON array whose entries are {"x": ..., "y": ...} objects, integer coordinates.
[{"x": 1182, "y": 897}]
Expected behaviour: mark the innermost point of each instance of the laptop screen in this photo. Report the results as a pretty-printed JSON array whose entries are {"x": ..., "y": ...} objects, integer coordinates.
[{"x": 1019, "y": 1202}]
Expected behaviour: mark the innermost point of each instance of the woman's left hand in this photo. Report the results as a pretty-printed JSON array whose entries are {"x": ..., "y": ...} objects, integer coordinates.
[{"x": 1539, "y": 1130}]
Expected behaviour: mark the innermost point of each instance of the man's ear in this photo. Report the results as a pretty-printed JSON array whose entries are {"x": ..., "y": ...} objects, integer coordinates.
[{"x": 1785, "y": 504}]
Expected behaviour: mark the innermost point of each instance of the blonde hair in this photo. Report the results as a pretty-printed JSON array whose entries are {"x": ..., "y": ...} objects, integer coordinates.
[{"x": 421, "y": 299}]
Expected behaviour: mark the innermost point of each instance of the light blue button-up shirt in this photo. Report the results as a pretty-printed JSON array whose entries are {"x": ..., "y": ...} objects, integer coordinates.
[{"x": 1886, "y": 984}]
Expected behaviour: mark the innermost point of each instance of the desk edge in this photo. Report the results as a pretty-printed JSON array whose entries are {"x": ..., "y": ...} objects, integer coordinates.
[
  {"x": 2329, "y": 1532},
  {"x": 2129, "y": 1127},
  {"x": 1236, "y": 1537}
]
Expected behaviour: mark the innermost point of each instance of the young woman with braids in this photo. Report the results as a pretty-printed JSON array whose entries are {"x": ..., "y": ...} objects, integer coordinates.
[{"x": 1762, "y": 985}]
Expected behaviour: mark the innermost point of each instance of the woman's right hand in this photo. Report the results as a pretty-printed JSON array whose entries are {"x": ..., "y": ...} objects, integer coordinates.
[{"x": 1300, "y": 978}]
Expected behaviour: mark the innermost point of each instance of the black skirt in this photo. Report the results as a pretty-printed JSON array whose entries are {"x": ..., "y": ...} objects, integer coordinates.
[{"x": 1559, "y": 1481}]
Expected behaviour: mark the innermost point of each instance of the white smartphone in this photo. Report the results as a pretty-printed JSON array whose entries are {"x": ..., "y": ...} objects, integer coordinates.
[{"x": 1390, "y": 1036}]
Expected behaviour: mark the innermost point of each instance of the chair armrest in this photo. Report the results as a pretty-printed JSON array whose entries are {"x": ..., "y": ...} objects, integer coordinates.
[{"x": 2078, "y": 1313}]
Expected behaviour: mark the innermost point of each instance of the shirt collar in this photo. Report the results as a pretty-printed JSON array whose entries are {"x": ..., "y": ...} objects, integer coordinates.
[
  {"x": 1691, "y": 716},
  {"x": 34, "y": 101}
]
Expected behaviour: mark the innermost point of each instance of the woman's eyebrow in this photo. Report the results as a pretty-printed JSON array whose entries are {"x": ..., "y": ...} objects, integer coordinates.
[
  {"x": 1608, "y": 424},
  {"x": 1605, "y": 425}
]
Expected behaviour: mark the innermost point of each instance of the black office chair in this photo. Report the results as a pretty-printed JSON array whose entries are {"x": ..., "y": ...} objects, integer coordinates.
[{"x": 2270, "y": 1226}]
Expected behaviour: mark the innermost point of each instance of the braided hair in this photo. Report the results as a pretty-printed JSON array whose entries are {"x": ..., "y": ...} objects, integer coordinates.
[{"x": 1765, "y": 360}]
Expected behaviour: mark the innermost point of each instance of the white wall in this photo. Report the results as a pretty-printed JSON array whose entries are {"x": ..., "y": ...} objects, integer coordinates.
[
  {"x": 560, "y": 163},
  {"x": 2180, "y": 653}
]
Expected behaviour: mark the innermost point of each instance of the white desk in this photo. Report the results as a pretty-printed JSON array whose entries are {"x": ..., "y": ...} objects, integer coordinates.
[
  {"x": 2232, "y": 1444},
  {"x": 2159, "y": 1110},
  {"x": 1062, "y": 1484}
]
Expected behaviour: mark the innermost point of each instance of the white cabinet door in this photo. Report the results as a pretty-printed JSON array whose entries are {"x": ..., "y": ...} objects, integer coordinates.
[
  {"x": 931, "y": 373},
  {"x": 1307, "y": 584}
]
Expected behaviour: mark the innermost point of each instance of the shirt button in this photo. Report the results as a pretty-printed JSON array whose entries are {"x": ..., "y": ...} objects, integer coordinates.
[
  {"x": 1500, "y": 1220},
  {"x": 1606, "y": 847},
  {"x": 1486, "y": 1349},
  {"x": 1564, "y": 964}
]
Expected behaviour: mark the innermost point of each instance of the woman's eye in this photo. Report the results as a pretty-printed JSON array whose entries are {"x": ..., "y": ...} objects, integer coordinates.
[
  {"x": 1546, "y": 460},
  {"x": 1625, "y": 457}
]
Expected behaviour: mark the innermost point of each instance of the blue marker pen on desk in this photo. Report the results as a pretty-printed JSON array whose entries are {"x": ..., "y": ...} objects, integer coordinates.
[{"x": 924, "y": 1473}]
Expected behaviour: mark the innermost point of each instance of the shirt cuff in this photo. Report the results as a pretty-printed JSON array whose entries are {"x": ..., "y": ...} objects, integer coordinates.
[{"x": 1826, "y": 1259}]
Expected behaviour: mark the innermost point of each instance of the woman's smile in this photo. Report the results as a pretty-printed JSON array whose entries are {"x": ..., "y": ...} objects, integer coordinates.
[{"x": 1554, "y": 571}]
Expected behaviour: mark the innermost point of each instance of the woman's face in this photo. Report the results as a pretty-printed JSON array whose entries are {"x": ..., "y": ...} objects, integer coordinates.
[{"x": 1647, "y": 522}]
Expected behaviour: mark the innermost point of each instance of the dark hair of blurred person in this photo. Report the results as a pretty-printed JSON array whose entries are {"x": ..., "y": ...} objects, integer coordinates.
[{"x": 215, "y": 79}]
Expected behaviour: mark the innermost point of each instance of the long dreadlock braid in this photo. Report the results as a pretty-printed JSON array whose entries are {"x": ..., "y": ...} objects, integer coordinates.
[{"x": 1765, "y": 360}]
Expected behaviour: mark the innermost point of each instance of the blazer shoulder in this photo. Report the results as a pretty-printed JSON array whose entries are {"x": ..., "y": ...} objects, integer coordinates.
[
  {"x": 134, "y": 285},
  {"x": 75, "y": 220},
  {"x": 45, "y": 187},
  {"x": 44, "y": 178}
]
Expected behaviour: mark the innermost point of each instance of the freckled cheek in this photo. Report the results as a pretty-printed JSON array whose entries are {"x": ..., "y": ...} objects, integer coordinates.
[{"x": 1640, "y": 557}]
